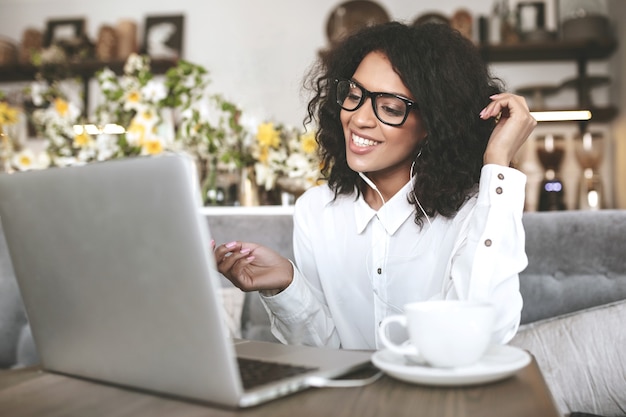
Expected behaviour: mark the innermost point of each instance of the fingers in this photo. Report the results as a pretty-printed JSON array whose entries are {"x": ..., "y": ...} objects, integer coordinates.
[
  {"x": 514, "y": 125},
  {"x": 504, "y": 102},
  {"x": 253, "y": 267},
  {"x": 231, "y": 258}
]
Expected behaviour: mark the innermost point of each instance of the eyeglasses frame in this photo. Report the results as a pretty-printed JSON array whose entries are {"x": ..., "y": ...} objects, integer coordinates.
[{"x": 372, "y": 95}]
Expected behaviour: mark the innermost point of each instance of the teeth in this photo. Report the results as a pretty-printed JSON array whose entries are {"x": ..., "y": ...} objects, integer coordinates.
[{"x": 359, "y": 141}]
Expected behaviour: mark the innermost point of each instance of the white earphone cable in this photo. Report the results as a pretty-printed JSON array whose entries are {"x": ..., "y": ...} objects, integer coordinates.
[
  {"x": 372, "y": 186},
  {"x": 413, "y": 192}
]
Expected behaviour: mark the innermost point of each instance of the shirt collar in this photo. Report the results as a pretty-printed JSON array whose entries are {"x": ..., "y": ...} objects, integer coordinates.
[{"x": 391, "y": 215}]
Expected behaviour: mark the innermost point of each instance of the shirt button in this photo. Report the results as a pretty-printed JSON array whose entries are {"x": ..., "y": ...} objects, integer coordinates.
[
  {"x": 379, "y": 270},
  {"x": 501, "y": 176},
  {"x": 488, "y": 242},
  {"x": 499, "y": 190}
]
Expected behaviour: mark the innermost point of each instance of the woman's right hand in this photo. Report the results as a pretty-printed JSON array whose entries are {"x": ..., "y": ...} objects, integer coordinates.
[{"x": 252, "y": 267}]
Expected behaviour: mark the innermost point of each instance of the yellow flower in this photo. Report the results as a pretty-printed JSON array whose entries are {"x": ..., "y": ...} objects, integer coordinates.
[
  {"x": 264, "y": 154},
  {"x": 82, "y": 140},
  {"x": 61, "y": 106},
  {"x": 8, "y": 114},
  {"x": 268, "y": 136},
  {"x": 152, "y": 147},
  {"x": 136, "y": 133},
  {"x": 308, "y": 143},
  {"x": 133, "y": 97}
]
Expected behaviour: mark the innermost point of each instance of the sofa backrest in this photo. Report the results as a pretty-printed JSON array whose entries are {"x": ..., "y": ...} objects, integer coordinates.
[{"x": 576, "y": 259}]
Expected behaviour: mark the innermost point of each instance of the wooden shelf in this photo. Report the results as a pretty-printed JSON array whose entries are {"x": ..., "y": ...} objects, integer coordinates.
[
  {"x": 550, "y": 51},
  {"x": 578, "y": 51},
  {"x": 83, "y": 69},
  {"x": 603, "y": 114}
]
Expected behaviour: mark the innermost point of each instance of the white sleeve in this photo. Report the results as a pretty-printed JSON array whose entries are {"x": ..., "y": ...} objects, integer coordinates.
[
  {"x": 491, "y": 249},
  {"x": 299, "y": 314}
]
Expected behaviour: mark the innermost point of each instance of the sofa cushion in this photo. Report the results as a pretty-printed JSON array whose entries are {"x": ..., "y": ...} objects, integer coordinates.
[
  {"x": 582, "y": 356},
  {"x": 575, "y": 261},
  {"x": 272, "y": 230}
]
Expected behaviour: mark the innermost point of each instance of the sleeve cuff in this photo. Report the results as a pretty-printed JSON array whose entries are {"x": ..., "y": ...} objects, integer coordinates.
[
  {"x": 500, "y": 185},
  {"x": 290, "y": 304}
]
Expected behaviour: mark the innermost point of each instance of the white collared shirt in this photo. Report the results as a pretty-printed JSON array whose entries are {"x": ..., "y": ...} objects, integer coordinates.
[{"x": 356, "y": 265}]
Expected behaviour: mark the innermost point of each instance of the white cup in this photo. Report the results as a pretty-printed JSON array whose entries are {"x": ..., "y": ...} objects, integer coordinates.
[{"x": 443, "y": 333}]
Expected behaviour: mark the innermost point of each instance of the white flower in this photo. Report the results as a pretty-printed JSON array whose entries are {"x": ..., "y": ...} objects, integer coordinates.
[
  {"x": 154, "y": 91},
  {"x": 134, "y": 63},
  {"x": 133, "y": 100},
  {"x": 64, "y": 161},
  {"x": 86, "y": 154},
  {"x": 106, "y": 146},
  {"x": 298, "y": 165},
  {"x": 129, "y": 83},
  {"x": 137, "y": 131},
  {"x": 37, "y": 89},
  {"x": 106, "y": 75},
  {"x": 26, "y": 160},
  {"x": 108, "y": 85},
  {"x": 265, "y": 176}
]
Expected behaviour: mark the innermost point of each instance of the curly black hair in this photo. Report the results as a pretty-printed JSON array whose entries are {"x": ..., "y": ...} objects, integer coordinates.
[{"x": 451, "y": 85}]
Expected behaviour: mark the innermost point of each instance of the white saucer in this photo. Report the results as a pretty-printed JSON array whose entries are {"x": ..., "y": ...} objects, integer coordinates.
[{"x": 500, "y": 361}]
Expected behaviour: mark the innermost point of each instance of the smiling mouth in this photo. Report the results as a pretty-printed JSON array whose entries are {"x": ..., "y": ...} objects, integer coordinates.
[{"x": 362, "y": 142}]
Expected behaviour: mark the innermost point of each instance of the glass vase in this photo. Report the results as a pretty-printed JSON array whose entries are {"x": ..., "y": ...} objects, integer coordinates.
[
  {"x": 248, "y": 188},
  {"x": 589, "y": 149},
  {"x": 551, "y": 150}
]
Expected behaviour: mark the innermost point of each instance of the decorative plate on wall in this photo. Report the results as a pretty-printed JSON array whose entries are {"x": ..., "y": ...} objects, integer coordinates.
[
  {"x": 353, "y": 15},
  {"x": 431, "y": 18}
]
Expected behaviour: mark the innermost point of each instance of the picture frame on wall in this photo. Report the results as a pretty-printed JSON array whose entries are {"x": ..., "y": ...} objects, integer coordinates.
[
  {"x": 163, "y": 36},
  {"x": 64, "y": 31},
  {"x": 531, "y": 16},
  {"x": 536, "y": 19}
]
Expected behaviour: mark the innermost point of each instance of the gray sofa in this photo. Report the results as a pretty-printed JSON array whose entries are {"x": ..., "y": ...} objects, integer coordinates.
[{"x": 574, "y": 290}]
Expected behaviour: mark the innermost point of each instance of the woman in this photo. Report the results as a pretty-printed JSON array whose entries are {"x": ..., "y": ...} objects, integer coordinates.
[{"x": 420, "y": 202}]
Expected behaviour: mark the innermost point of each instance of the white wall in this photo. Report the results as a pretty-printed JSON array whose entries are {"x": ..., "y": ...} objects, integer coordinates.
[{"x": 258, "y": 51}]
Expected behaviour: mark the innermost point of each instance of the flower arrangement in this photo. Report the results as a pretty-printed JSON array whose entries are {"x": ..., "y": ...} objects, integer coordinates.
[
  {"x": 139, "y": 115},
  {"x": 285, "y": 156}
]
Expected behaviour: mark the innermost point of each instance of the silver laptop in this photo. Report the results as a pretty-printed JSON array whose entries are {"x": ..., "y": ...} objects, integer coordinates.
[{"x": 115, "y": 267}]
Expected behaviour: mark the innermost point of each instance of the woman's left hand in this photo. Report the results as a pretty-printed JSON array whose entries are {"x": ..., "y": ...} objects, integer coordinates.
[{"x": 513, "y": 127}]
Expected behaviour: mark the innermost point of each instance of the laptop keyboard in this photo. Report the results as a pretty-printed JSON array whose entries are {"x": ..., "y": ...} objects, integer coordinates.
[{"x": 255, "y": 372}]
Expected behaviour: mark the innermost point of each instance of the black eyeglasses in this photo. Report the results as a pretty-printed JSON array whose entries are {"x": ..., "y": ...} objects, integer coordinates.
[{"x": 391, "y": 109}]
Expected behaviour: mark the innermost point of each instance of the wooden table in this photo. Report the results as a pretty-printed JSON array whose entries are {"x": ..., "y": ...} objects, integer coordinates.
[{"x": 32, "y": 392}]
